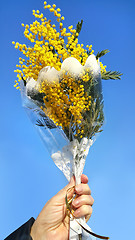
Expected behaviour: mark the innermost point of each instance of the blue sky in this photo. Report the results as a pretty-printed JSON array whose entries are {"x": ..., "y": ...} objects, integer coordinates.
[{"x": 28, "y": 176}]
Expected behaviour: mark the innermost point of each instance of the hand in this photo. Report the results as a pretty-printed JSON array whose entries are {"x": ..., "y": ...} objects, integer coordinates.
[{"x": 53, "y": 221}]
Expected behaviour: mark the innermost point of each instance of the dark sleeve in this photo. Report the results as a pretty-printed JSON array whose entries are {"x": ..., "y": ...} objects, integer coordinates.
[{"x": 23, "y": 232}]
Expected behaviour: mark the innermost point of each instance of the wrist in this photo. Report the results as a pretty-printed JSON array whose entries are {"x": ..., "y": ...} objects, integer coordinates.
[
  {"x": 34, "y": 232},
  {"x": 38, "y": 232}
]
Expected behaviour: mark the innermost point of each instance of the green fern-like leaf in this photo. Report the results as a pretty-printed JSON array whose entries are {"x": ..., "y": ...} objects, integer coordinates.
[
  {"x": 79, "y": 26},
  {"x": 111, "y": 75},
  {"x": 102, "y": 53}
]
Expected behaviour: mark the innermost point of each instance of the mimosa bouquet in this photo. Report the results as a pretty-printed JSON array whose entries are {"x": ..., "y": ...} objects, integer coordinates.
[{"x": 61, "y": 89}]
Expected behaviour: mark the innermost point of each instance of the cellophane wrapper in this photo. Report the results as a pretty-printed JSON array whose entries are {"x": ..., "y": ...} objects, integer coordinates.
[{"x": 68, "y": 147}]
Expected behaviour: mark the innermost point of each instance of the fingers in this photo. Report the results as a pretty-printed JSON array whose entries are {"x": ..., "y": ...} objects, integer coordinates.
[
  {"x": 83, "y": 200},
  {"x": 85, "y": 188},
  {"x": 83, "y": 203},
  {"x": 82, "y": 189},
  {"x": 70, "y": 188},
  {"x": 83, "y": 211},
  {"x": 84, "y": 180}
]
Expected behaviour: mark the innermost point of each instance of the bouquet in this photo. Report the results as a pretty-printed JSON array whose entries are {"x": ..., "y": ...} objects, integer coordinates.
[{"x": 61, "y": 88}]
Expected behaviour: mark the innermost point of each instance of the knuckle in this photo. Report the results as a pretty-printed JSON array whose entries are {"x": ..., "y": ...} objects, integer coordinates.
[
  {"x": 90, "y": 210},
  {"x": 87, "y": 209},
  {"x": 92, "y": 200},
  {"x": 89, "y": 191}
]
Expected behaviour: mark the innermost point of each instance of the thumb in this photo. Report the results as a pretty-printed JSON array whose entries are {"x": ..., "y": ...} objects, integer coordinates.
[
  {"x": 69, "y": 188},
  {"x": 70, "y": 184}
]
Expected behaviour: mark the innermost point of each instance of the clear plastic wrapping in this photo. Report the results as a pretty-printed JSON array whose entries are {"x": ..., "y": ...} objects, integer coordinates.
[{"x": 66, "y": 107}]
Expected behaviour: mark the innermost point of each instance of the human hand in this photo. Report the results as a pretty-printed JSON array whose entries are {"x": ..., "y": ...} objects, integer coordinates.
[{"x": 53, "y": 221}]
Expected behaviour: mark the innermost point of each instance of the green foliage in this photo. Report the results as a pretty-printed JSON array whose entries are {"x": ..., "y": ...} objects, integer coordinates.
[
  {"x": 79, "y": 26},
  {"x": 111, "y": 75},
  {"x": 93, "y": 118},
  {"x": 102, "y": 53}
]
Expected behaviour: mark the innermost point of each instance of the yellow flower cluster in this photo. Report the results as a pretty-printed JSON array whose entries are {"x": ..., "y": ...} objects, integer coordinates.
[
  {"x": 65, "y": 102},
  {"x": 102, "y": 67},
  {"x": 50, "y": 47}
]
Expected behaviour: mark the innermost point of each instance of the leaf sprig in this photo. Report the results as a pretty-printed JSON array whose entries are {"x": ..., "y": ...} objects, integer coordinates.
[
  {"x": 79, "y": 26},
  {"x": 108, "y": 74},
  {"x": 111, "y": 75},
  {"x": 102, "y": 53}
]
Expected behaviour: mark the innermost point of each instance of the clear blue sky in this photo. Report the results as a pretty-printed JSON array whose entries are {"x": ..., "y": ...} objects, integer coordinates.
[{"x": 28, "y": 176}]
